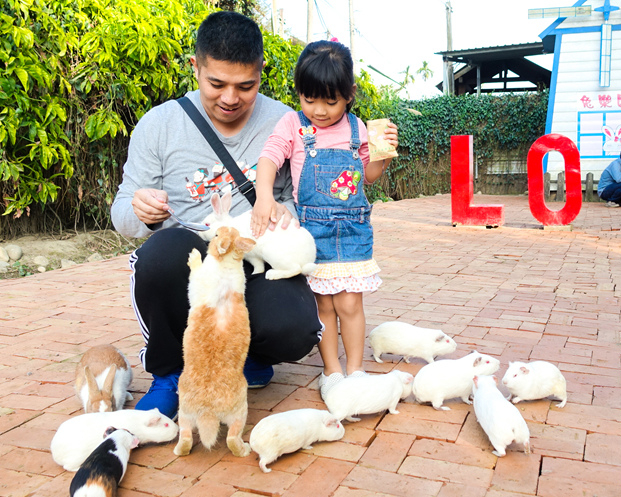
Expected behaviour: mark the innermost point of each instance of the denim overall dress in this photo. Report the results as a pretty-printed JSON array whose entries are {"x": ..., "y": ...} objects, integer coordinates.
[{"x": 331, "y": 200}]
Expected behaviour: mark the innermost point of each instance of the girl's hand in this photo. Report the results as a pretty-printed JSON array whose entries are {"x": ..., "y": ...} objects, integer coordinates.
[
  {"x": 264, "y": 213},
  {"x": 391, "y": 135}
]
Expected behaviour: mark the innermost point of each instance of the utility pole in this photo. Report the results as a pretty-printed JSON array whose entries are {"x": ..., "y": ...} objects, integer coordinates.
[
  {"x": 274, "y": 17},
  {"x": 309, "y": 21},
  {"x": 351, "y": 34},
  {"x": 449, "y": 80},
  {"x": 281, "y": 22}
]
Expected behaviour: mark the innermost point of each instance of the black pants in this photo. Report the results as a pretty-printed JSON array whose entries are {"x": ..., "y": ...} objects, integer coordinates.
[{"x": 284, "y": 322}]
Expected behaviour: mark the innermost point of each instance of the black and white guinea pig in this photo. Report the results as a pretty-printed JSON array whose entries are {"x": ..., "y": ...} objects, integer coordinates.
[
  {"x": 104, "y": 469},
  {"x": 395, "y": 337}
]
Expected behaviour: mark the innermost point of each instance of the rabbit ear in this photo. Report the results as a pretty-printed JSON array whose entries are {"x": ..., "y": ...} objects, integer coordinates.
[
  {"x": 618, "y": 131},
  {"x": 608, "y": 131},
  {"x": 245, "y": 244},
  {"x": 215, "y": 203},
  {"x": 109, "y": 382},
  {"x": 90, "y": 380},
  {"x": 226, "y": 202}
]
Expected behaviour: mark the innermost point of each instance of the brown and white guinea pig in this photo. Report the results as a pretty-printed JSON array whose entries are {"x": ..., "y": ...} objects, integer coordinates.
[
  {"x": 105, "y": 467},
  {"x": 395, "y": 337},
  {"x": 289, "y": 431},
  {"x": 500, "y": 419},
  {"x": 102, "y": 378},
  {"x": 368, "y": 394},
  {"x": 451, "y": 378},
  {"x": 78, "y": 436},
  {"x": 535, "y": 380}
]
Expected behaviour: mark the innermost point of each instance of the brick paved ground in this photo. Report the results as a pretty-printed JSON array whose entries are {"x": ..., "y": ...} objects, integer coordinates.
[{"x": 517, "y": 292}]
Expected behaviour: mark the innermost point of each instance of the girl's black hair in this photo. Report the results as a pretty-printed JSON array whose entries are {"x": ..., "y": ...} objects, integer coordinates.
[{"x": 325, "y": 69}]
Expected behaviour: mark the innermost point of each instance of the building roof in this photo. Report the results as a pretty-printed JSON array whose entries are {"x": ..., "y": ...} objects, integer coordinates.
[{"x": 506, "y": 65}]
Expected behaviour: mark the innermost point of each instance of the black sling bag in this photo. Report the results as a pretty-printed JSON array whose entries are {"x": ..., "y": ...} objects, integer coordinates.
[{"x": 244, "y": 185}]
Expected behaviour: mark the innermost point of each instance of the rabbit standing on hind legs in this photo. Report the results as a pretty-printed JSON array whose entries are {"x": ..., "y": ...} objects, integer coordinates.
[{"x": 212, "y": 386}]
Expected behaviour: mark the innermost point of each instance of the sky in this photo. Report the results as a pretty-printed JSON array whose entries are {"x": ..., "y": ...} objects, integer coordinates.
[{"x": 391, "y": 35}]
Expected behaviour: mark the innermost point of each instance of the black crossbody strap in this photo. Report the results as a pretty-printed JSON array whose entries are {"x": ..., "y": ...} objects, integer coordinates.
[{"x": 244, "y": 185}]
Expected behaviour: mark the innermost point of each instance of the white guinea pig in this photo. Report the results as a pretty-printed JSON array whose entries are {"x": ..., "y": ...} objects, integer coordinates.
[
  {"x": 500, "y": 420},
  {"x": 368, "y": 394},
  {"x": 535, "y": 380},
  {"x": 289, "y": 431},
  {"x": 451, "y": 378},
  {"x": 409, "y": 341},
  {"x": 77, "y": 437}
]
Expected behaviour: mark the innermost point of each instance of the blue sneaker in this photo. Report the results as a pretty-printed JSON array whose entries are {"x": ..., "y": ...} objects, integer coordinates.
[
  {"x": 162, "y": 394},
  {"x": 257, "y": 374}
]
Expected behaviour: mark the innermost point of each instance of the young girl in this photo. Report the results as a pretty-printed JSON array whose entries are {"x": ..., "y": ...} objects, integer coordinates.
[{"x": 329, "y": 155}]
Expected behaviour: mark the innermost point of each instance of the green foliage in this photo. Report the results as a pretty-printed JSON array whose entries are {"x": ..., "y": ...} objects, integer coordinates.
[
  {"x": 498, "y": 124},
  {"x": 277, "y": 79},
  {"x": 79, "y": 74}
]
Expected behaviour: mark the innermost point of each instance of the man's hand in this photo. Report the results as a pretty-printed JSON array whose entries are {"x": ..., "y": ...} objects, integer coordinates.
[
  {"x": 266, "y": 214},
  {"x": 150, "y": 205}
]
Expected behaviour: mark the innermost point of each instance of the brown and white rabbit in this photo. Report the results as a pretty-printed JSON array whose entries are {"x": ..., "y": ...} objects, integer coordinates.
[
  {"x": 102, "y": 378},
  {"x": 212, "y": 386},
  {"x": 500, "y": 419},
  {"x": 289, "y": 431},
  {"x": 105, "y": 467},
  {"x": 289, "y": 251}
]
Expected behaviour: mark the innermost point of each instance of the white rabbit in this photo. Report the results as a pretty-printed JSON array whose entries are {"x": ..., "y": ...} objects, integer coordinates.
[
  {"x": 613, "y": 139},
  {"x": 77, "y": 437},
  {"x": 535, "y": 380},
  {"x": 451, "y": 378},
  {"x": 101, "y": 379},
  {"x": 500, "y": 420},
  {"x": 289, "y": 251},
  {"x": 368, "y": 394},
  {"x": 105, "y": 467},
  {"x": 289, "y": 431},
  {"x": 394, "y": 337}
]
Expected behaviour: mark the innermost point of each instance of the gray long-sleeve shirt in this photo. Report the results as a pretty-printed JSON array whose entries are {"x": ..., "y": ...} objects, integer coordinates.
[{"x": 168, "y": 152}]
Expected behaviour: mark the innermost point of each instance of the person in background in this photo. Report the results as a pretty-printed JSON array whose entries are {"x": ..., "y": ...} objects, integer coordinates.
[{"x": 609, "y": 186}]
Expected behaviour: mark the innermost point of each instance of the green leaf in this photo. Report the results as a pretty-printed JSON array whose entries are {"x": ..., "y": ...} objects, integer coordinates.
[{"x": 22, "y": 76}]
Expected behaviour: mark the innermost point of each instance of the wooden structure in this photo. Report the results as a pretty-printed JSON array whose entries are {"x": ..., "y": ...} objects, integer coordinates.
[{"x": 498, "y": 69}]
